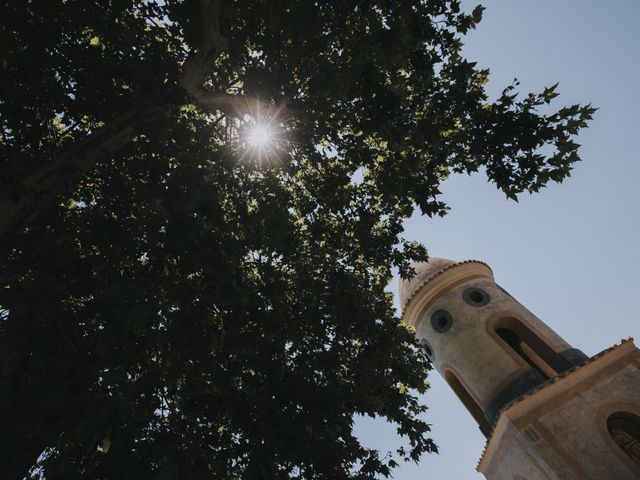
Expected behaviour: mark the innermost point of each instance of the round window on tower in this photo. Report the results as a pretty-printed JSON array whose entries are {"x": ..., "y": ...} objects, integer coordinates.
[
  {"x": 427, "y": 348},
  {"x": 476, "y": 297},
  {"x": 441, "y": 321}
]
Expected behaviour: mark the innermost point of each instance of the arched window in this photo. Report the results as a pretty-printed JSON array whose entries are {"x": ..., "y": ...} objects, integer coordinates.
[
  {"x": 624, "y": 428},
  {"x": 531, "y": 348},
  {"x": 468, "y": 401}
]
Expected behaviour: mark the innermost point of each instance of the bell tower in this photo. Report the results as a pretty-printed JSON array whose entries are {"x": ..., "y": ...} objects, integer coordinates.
[{"x": 548, "y": 411}]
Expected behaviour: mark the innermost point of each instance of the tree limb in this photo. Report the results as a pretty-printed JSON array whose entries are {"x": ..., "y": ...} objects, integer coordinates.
[
  {"x": 199, "y": 66},
  {"x": 32, "y": 195},
  {"x": 36, "y": 192}
]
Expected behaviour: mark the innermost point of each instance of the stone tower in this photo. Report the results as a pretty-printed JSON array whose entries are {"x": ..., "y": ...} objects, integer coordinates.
[{"x": 548, "y": 411}]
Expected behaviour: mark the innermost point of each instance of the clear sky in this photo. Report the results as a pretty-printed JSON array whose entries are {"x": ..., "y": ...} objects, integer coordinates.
[{"x": 571, "y": 253}]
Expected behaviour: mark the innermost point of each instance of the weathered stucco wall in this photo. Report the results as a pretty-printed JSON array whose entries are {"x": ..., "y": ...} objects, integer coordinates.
[{"x": 561, "y": 428}]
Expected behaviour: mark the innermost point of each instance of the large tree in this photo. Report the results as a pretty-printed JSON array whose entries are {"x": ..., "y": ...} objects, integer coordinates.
[{"x": 178, "y": 302}]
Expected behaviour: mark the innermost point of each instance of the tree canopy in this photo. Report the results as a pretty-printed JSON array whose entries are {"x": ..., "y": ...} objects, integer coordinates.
[{"x": 178, "y": 303}]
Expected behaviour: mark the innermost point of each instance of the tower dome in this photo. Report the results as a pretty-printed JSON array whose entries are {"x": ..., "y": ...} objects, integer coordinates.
[
  {"x": 427, "y": 272},
  {"x": 424, "y": 272}
]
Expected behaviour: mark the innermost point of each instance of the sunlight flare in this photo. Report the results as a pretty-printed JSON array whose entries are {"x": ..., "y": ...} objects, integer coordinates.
[{"x": 259, "y": 136}]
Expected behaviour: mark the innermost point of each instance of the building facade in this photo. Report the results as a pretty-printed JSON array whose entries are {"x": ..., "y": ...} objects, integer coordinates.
[{"x": 548, "y": 410}]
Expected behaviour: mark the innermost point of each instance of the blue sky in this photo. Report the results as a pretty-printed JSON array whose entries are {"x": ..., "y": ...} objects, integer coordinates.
[{"x": 570, "y": 253}]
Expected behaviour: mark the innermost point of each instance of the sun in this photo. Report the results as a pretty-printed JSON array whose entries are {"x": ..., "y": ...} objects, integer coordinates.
[
  {"x": 263, "y": 141},
  {"x": 259, "y": 136}
]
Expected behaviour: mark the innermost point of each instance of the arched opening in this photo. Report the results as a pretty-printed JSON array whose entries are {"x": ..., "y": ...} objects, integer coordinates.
[
  {"x": 531, "y": 348},
  {"x": 468, "y": 401},
  {"x": 624, "y": 428}
]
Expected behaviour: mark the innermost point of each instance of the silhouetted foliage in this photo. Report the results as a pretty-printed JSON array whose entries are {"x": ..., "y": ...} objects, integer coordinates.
[{"x": 174, "y": 305}]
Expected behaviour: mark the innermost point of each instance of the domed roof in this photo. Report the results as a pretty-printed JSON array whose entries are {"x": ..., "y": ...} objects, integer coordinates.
[{"x": 426, "y": 271}]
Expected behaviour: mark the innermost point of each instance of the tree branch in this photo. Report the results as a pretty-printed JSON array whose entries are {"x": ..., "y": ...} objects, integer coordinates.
[
  {"x": 199, "y": 66},
  {"x": 36, "y": 192},
  {"x": 32, "y": 195}
]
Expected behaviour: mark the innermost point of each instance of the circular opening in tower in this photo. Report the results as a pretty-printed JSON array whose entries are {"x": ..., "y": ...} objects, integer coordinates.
[
  {"x": 427, "y": 348},
  {"x": 475, "y": 297},
  {"x": 441, "y": 321}
]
